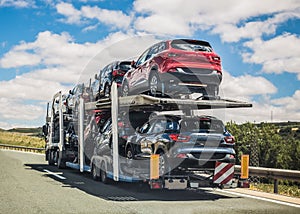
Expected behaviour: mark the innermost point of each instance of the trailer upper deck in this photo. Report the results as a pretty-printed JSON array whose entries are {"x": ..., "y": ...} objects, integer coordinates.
[{"x": 145, "y": 102}]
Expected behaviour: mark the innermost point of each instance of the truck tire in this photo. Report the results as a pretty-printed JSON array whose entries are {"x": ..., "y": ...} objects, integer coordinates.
[
  {"x": 95, "y": 174},
  {"x": 103, "y": 174},
  {"x": 50, "y": 158},
  {"x": 61, "y": 163}
]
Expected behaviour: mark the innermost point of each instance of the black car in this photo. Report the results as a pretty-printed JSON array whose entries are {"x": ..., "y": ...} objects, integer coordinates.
[
  {"x": 190, "y": 143},
  {"x": 114, "y": 71},
  {"x": 102, "y": 159}
]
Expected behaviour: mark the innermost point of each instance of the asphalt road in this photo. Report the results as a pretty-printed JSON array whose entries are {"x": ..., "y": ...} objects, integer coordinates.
[{"x": 29, "y": 185}]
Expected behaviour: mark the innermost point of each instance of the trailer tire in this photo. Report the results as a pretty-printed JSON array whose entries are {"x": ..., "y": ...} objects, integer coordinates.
[
  {"x": 103, "y": 174},
  {"x": 95, "y": 174}
]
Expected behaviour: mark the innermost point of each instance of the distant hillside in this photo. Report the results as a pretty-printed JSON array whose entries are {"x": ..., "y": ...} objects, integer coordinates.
[{"x": 26, "y": 130}]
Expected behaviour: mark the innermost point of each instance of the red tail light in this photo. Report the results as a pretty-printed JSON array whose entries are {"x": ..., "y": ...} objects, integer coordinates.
[
  {"x": 118, "y": 73},
  {"x": 229, "y": 139},
  {"x": 121, "y": 124},
  {"x": 179, "y": 138},
  {"x": 183, "y": 138},
  {"x": 181, "y": 155},
  {"x": 174, "y": 137},
  {"x": 215, "y": 58}
]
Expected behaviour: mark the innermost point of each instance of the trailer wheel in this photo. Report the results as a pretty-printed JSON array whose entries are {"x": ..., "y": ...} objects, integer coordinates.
[
  {"x": 103, "y": 175},
  {"x": 95, "y": 174}
]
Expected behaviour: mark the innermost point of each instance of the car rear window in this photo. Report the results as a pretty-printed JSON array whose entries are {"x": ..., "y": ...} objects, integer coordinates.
[
  {"x": 202, "y": 125},
  {"x": 191, "y": 45},
  {"x": 125, "y": 66}
]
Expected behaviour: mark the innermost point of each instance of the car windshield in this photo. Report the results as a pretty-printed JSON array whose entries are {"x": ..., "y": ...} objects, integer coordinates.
[
  {"x": 191, "y": 45},
  {"x": 202, "y": 126}
]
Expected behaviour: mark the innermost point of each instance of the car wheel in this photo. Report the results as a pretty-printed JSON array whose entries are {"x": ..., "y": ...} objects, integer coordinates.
[
  {"x": 103, "y": 173},
  {"x": 162, "y": 164},
  {"x": 154, "y": 84},
  {"x": 129, "y": 153},
  {"x": 125, "y": 89}
]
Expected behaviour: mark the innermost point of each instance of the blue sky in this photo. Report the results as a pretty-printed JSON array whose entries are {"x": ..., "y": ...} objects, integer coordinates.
[{"x": 49, "y": 45}]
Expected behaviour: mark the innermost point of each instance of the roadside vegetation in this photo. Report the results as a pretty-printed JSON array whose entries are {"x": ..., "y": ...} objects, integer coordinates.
[
  {"x": 271, "y": 146},
  {"x": 22, "y": 137},
  {"x": 268, "y": 145},
  {"x": 283, "y": 189}
]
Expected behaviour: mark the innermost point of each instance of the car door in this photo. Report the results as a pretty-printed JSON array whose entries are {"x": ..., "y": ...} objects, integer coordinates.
[
  {"x": 154, "y": 134},
  {"x": 136, "y": 79}
]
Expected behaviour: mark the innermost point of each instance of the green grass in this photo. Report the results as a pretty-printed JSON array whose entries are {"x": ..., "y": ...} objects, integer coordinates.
[
  {"x": 287, "y": 190},
  {"x": 21, "y": 139}
]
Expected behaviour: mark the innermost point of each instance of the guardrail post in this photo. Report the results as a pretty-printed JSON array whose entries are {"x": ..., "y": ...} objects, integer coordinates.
[{"x": 276, "y": 186}]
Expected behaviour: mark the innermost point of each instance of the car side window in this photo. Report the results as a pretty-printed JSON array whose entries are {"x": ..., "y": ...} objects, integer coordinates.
[
  {"x": 142, "y": 58},
  {"x": 159, "y": 126},
  {"x": 145, "y": 128}
]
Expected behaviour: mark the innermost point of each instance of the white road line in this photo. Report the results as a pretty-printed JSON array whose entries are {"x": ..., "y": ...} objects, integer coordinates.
[
  {"x": 56, "y": 175},
  {"x": 260, "y": 198}
]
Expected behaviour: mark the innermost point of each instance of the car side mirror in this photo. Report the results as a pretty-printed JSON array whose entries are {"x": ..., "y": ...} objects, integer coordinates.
[
  {"x": 133, "y": 64},
  {"x": 96, "y": 77},
  {"x": 70, "y": 92}
]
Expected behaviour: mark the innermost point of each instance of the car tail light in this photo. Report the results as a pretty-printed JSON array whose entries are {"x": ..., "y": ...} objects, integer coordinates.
[
  {"x": 172, "y": 70},
  {"x": 121, "y": 124},
  {"x": 174, "y": 137},
  {"x": 229, "y": 139},
  {"x": 215, "y": 58},
  {"x": 181, "y": 155},
  {"x": 118, "y": 73},
  {"x": 179, "y": 138},
  {"x": 183, "y": 138}
]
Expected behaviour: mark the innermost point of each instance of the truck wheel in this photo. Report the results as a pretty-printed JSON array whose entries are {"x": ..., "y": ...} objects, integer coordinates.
[
  {"x": 61, "y": 163},
  {"x": 103, "y": 174},
  {"x": 95, "y": 174},
  {"x": 50, "y": 158}
]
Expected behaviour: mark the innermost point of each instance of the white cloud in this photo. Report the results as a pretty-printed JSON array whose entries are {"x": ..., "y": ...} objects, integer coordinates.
[
  {"x": 276, "y": 55},
  {"x": 291, "y": 104},
  {"x": 68, "y": 10},
  {"x": 245, "y": 87},
  {"x": 14, "y": 109},
  {"x": 17, "y": 3},
  {"x": 109, "y": 17},
  {"x": 114, "y": 18},
  {"x": 184, "y": 17}
]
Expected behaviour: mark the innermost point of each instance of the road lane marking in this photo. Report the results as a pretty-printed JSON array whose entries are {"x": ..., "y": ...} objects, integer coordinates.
[
  {"x": 261, "y": 198},
  {"x": 55, "y": 174}
]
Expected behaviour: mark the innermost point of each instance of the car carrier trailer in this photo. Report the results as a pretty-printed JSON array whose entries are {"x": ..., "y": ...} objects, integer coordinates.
[{"x": 72, "y": 155}]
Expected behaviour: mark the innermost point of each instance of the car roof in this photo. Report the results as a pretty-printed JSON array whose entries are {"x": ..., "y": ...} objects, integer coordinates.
[{"x": 178, "y": 117}]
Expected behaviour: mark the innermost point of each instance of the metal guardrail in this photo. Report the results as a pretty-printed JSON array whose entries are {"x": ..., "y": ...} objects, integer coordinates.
[
  {"x": 22, "y": 148},
  {"x": 285, "y": 174}
]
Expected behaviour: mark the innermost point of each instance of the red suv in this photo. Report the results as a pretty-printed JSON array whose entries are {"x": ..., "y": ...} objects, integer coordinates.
[{"x": 174, "y": 67}]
